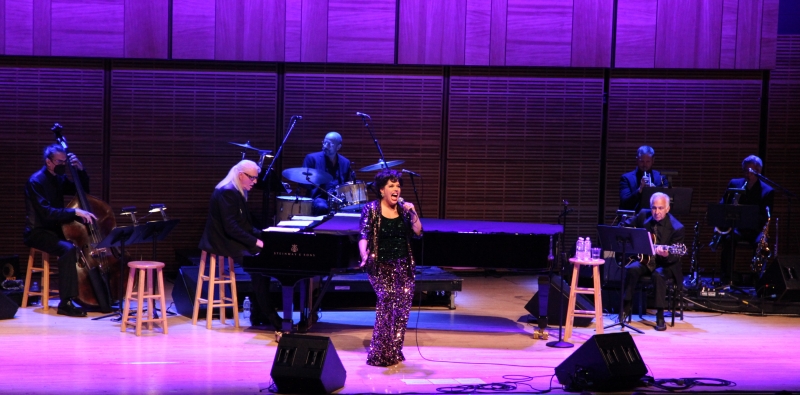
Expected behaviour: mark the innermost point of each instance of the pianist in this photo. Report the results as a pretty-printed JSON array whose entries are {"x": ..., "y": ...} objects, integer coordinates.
[
  {"x": 229, "y": 228},
  {"x": 387, "y": 226}
]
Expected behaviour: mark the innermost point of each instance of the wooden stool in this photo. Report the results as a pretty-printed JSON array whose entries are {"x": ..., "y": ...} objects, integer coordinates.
[
  {"x": 145, "y": 269},
  {"x": 217, "y": 277},
  {"x": 44, "y": 290},
  {"x": 574, "y": 290}
]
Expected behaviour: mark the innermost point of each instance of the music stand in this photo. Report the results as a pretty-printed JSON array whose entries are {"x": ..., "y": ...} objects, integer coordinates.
[
  {"x": 680, "y": 199},
  {"x": 733, "y": 216},
  {"x": 625, "y": 241},
  {"x": 118, "y": 238},
  {"x": 156, "y": 231}
]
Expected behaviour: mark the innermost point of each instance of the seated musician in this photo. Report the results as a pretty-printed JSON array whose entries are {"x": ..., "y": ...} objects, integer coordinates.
[
  {"x": 328, "y": 161},
  {"x": 632, "y": 183},
  {"x": 667, "y": 231},
  {"x": 229, "y": 229},
  {"x": 44, "y": 203},
  {"x": 755, "y": 193}
]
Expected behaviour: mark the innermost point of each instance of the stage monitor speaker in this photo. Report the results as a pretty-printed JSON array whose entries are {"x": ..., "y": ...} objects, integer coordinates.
[
  {"x": 7, "y": 307},
  {"x": 604, "y": 362},
  {"x": 582, "y": 303},
  {"x": 781, "y": 280},
  {"x": 186, "y": 285},
  {"x": 307, "y": 365}
]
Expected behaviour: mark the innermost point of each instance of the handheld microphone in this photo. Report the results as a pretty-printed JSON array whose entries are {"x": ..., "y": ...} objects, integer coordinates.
[
  {"x": 411, "y": 172},
  {"x": 361, "y": 114}
]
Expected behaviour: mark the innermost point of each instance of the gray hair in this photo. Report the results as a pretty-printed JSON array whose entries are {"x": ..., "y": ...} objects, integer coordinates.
[
  {"x": 752, "y": 159},
  {"x": 645, "y": 150},
  {"x": 233, "y": 175},
  {"x": 659, "y": 195},
  {"x": 51, "y": 150}
]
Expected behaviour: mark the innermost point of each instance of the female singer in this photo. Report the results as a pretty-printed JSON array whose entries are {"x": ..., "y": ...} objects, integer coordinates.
[{"x": 387, "y": 225}]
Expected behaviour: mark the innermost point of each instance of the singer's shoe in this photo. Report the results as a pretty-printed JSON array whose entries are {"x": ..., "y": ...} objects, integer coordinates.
[{"x": 68, "y": 309}]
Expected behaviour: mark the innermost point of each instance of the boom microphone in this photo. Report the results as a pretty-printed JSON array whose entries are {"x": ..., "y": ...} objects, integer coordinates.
[
  {"x": 411, "y": 172},
  {"x": 361, "y": 114}
]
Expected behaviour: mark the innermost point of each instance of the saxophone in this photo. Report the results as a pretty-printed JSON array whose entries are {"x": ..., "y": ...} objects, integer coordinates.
[{"x": 762, "y": 255}]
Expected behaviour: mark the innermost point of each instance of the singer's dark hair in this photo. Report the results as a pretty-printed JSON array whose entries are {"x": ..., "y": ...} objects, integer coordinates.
[
  {"x": 51, "y": 150},
  {"x": 384, "y": 176},
  {"x": 752, "y": 159}
]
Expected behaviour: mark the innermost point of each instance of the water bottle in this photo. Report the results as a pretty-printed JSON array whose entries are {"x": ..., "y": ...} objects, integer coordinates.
[
  {"x": 246, "y": 307},
  {"x": 579, "y": 248},
  {"x": 35, "y": 287},
  {"x": 587, "y": 249},
  {"x": 34, "y": 300}
]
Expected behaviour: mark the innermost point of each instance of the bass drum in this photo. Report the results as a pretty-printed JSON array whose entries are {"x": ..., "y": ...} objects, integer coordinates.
[
  {"x": 353, "y": 195},
  {"x": 288, "y": 206}
]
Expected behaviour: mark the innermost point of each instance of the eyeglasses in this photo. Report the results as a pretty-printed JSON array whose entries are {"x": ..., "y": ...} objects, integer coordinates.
[
  {"x": 326, "y": 143},
  {"x": 252, "y": 178}
]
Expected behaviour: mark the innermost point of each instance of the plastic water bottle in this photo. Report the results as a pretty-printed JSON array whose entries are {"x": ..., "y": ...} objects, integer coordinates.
[
  {"x": 587, "y": 249},
  {"x": 35, "y": 287},
  {"x": 246, "y": 307},
  {"x": 579, "y": 248}
]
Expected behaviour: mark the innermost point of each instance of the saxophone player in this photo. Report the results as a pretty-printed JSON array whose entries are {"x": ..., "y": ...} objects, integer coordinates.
[{"x": 754, "y": 192}]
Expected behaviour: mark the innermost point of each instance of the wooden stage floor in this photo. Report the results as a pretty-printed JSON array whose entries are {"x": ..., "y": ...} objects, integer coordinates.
[{"x": 482, "y": 341}]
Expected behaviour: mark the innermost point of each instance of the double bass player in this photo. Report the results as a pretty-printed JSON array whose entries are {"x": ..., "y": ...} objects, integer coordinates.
[{"x": 44, "y": 204}]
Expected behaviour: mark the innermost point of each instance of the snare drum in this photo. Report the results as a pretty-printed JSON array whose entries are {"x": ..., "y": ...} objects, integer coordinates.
[
  {"x": 353, "y": 195},
  {"x": 287, "y": 206}
]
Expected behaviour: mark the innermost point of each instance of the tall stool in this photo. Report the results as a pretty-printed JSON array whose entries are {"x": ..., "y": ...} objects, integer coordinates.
[
  {"x": 44, "y": 290},
  {"x": 574, "y": 290},
  {"x": 142, "y": 295},
  {"x": 216, "y": 277}
]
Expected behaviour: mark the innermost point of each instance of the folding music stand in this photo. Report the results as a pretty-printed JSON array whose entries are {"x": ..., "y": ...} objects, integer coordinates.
[
  {"x": 733, "y": 216},
  {"x": 680, "y": 199},
  {"x": 625, "y": 241},
  {"x": 156, "y": 231},
  {"x": 119, "y": 237}
]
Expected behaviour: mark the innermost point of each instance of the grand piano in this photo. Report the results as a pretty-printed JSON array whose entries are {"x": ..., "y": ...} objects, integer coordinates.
[{"x": 331, "y": 245}]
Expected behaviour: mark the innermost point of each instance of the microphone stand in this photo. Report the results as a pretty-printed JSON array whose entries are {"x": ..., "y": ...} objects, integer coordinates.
[
  {"x": 560, "y": 343},
  {"x": 416, "y": 195},
  {"x": 268, "y": 173},
  {"x": 365, "y": 118}
]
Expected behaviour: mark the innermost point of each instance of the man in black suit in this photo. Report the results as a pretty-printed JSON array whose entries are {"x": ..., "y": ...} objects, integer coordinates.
[
  {"x": 754, "y": 192},
  {"x": 667, "y": 231},
  {"x": 330, "y": 162},
  {"x": 44, "y": 204},
  {"x": 632, "y": 183}
]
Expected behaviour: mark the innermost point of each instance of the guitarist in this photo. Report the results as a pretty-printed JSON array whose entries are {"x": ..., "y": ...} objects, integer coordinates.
[
  {"x": 44, "y": 201},
  {"x": 667, "y": 231}
]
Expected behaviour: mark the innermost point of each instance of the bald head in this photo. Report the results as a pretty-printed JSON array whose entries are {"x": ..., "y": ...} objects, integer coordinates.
[{"x": 332, "y": 144}]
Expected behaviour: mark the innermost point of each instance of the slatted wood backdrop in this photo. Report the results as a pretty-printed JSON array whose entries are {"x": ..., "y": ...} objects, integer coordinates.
[{"x": 492, "y": 143}]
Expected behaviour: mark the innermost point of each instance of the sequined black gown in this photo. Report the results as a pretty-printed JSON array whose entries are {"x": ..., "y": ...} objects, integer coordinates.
[{"x": 391, "y": 273}]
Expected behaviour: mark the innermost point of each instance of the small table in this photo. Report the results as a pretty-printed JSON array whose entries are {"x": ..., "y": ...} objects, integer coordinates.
[{"x": 574, "y": 290}]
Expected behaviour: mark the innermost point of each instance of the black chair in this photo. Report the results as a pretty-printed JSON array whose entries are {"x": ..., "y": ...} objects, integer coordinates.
[{"x": 675, "y": 293}]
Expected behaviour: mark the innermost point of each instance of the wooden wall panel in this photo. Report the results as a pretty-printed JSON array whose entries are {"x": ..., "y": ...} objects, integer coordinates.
[
  {"x": 730, "y": 13},
  {"x": 783, "y": 139},
  {"x": 42, "y": 14},
  {"x": 688, "y": 34},
  {"x": 86, "y": 28},
  {"x": 294, "y": 17},
  {"x": 264, "y": 30},
  {"x": 34, "y": 95},
  {"x": 19, "y": 27},
  {"x": 314, "y": 31},
  {"x": 406, "y": 109},
  {"x": 171, "y": 127},
  {"x": 193, "y": 29},
  {"x": 229, "y": 29},
  {"x": 477, "y": 36},
  {"x": 2, "y": 27},
  {"x": 361, "y": 32},
  {"x": 636, "y": 33},
  {"x": 509, "y": 134},
  {"x": 701, "y": 124},
  {"x": 769, "y": 34},
  {"x": 146, "y": 29},
  {"x": 432, "y": 32},
  {"x": 498, "y": 28},
  {"x": 748, "y": 35},
  {"x": 539, "y": 34},
  {"x": 591, "y": 33}
]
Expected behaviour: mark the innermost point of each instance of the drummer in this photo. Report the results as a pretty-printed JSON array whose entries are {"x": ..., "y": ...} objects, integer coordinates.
[{"x": 330, "y": 162}]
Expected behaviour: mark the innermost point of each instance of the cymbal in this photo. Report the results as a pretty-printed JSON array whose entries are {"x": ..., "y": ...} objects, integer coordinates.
[
  {"x": 248, "y": 146},
  {"x": 304, "y": 175},
  {"x": 382, "y": 165}
]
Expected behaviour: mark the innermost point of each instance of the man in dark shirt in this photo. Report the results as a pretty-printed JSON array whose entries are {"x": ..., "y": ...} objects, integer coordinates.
[
  {"x": 754, "y": 192},
  {"x": 632, "y": 183},
  {"x": 667, "y": 231},
  {"x": 44, "y": 203},
  {"x": 330, "y": 162}
]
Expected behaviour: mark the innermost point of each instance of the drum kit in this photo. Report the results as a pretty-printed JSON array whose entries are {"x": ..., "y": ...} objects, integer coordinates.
[{"x": 347, "y": 197}]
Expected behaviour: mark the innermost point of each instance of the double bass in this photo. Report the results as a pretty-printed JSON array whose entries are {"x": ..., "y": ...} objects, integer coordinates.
[{"x": 98, "y": 268}]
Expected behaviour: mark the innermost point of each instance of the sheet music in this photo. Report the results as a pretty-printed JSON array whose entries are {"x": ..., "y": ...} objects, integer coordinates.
[
  {"x": 279, "y": 229},
  {"x": 295, "y": 223},
  {"x": 307, "y": 218}
]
